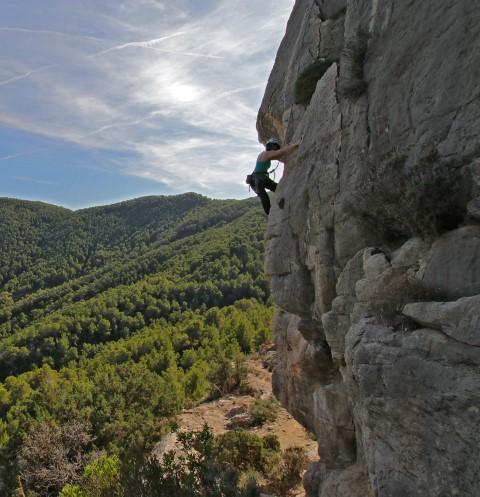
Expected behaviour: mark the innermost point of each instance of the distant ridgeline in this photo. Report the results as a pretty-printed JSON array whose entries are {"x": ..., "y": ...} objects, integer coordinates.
[{"x": 112, "y": 318}]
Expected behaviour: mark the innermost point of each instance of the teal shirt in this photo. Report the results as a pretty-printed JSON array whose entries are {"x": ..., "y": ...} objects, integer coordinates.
[{"x": 262, "y": 166}]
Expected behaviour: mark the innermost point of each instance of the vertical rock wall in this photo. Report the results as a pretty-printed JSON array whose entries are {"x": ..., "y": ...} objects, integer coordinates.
[{"x": 373, "y": 244}]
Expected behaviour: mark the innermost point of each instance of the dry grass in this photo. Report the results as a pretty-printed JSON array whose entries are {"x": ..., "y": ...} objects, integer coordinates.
[{"x": 308, "y": 79}]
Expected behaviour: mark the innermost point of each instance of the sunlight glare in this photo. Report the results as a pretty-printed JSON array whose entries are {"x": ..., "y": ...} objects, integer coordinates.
[{"x": 184, "y": 93}]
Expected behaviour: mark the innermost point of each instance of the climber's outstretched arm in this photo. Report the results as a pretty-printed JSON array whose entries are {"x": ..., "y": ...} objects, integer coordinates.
[{"x": 278, "y": 154}]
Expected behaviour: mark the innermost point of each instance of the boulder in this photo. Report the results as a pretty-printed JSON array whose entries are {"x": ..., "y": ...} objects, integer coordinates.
[
  {"x": 243, "y": 420},
  {"x": 235, "y": 411}
]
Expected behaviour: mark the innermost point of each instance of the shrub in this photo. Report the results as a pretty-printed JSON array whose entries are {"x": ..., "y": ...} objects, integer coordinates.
[
  {"x": 423, "y": 200},
  {"x": 52, "y": 456},
  {"x": 289, "y": 473},
  {"x": 100, "y": 480},
  {"x": 247, "y": 389},
  {"x": 271, "y": 442},
  {"x": 101, "y": 477},
  {"x": 236, "y": 464},
  {"x": 70, "y": 490},
  {"x": 249, "y": 483},
  {"x": 230, "y": 465},
  {"x": 228, "y": 376},
  {"x": 192, "y": 471},
  {"x": 263, "y": 410},
  {"x": 241, "y": 449},
  {"x": 308, "y": 78}
]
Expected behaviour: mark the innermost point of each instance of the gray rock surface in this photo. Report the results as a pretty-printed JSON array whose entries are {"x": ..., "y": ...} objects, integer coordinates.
[
  {"x": 306, "y": 382},
  {"x": 377, "y": 330},
  {"x": 298, "y": 49},
  {"x": 351, "y": 482},
  {"x": 459, "y": 320},
  {"x": 417, "y": 400},
  {"x": 452, "y": 269},
  {"x": 331, "y": 8},
  {"x": 473, "y": 208},
  {"x": 332, "y": 38}
]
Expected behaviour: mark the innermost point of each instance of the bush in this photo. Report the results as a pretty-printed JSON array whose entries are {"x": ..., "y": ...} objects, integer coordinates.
[
  {"x": 70, "y": 490},
  {"x": 52, "y": 456},
  {"x": 264, "y": 410},
  {"x": 240, "y": 449},
  {"x": 308, "y": 78},
  {"x": 289, "y": 473},
  {"x": 423, "y": 200},
  {"x": 271, "y": 442},
  {"x": 230, "y": 465},
  {"x": 228, "y": 376},
  {"x": 236, "y": 464},
  {"x": 101, "y": 478}
]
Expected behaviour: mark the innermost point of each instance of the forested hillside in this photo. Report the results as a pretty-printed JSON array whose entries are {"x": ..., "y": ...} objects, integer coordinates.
[{"x": 113, "y": 318}]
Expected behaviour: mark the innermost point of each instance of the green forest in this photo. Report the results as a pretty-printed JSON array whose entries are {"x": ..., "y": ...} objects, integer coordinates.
[{"x": 112, "y": 320}]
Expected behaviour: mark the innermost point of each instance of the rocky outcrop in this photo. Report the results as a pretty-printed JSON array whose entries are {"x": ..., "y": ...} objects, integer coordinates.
[{"x": 373, "y": 243}]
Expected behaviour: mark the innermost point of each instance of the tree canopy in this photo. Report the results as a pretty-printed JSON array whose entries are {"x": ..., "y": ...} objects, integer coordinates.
[{"x": 113, "y": 318}]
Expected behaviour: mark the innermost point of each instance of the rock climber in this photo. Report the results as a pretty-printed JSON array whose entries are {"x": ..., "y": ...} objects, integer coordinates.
[{"x": 259, "y": 179}]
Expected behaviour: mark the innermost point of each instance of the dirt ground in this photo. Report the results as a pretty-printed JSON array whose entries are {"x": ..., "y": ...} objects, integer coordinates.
[
  {"x": 289, "y": 432},
  {"x": 214, "y": 413}
]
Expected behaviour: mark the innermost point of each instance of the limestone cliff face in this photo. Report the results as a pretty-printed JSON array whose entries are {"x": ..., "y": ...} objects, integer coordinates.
[{"x": 373, "y": 243}]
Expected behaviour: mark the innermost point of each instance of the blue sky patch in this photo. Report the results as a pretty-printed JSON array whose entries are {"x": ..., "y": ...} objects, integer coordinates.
[{"x": 102, "y": 100}]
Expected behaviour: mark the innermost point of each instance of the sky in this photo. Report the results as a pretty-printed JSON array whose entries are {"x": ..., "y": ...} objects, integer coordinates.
[{"x": 105, "y": 100}]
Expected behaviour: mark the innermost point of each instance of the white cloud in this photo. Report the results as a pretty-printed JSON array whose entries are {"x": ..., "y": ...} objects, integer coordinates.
[{"x": 184, "y": 100}]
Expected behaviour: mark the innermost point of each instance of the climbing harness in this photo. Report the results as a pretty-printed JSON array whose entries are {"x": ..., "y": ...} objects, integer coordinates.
[
  {"x": 250, "y": 179},
  {"x": 272, "y": 144}
]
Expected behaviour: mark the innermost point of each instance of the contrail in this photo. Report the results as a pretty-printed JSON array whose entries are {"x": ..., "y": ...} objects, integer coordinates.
[
  {"x": 26, "y": 75},
  {"x": 188, "y": 54},
  {"x": 32, "y": 180},
  {"x": 8, "y": 157},
  {"x": 148, "y": 44},
  {"x": 238, "y": 90},
  {"x": 140, "y": 44},
  {"x": 126, "y": 124},
  {"x": 54, "y": 33},
  {"x": 117, "y": 125}
]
